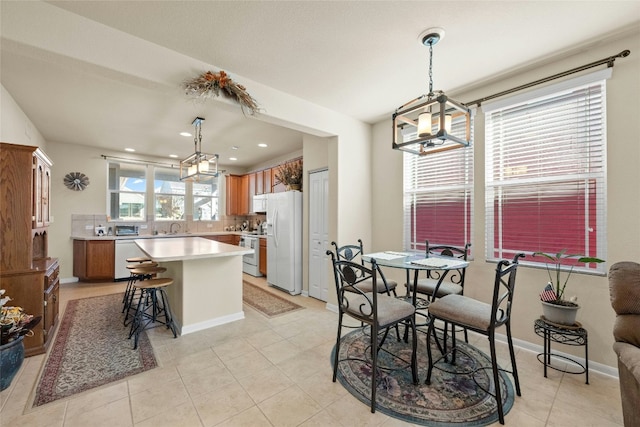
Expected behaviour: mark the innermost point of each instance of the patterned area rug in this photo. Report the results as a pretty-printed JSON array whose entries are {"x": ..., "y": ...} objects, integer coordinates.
[
  {"x": 451, "y": 399},
  {"x": 265, "y": 302},
  {"x": 91, "y": 349}
]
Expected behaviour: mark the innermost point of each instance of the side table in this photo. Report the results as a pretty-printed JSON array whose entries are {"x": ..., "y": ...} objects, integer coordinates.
[{"x": 568, "y": 335}]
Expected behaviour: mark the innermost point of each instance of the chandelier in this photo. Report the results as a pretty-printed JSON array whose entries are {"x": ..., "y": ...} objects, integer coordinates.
[
  {"x": 424, "y": 124},
  {"x": 198, "y": 166}
]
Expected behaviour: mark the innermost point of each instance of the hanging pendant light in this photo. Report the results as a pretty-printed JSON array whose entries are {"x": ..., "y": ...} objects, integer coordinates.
[
  {"x": 198, "y": 166},
  {"x": 425, "y": 125}
]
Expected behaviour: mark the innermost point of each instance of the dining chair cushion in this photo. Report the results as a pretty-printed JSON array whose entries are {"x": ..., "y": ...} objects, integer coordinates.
[
  {"x": 427, "y": 286},
  {"x": 367, "y": 286},
  {"x": 390, "y": 309},
  {"x": 463, "y": 310}
]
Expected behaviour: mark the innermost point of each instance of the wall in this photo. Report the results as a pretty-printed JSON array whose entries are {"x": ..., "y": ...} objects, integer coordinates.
[
  {"x": 15, "y": 126},
  {"x": 623, "y": 198}
]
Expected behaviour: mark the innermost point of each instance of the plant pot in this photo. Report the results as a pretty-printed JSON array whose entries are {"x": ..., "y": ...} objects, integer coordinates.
[
  {"x": 11, "y": 358},
  {"x": 560, "y": 314},
  {"x": 295, "y": 187}
]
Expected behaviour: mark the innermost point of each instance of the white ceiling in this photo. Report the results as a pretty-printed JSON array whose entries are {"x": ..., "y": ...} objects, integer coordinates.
[{"x": 359, "y": 58}]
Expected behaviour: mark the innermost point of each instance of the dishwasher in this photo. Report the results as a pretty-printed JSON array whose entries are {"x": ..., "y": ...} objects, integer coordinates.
[{"x": 125, "y": 248}]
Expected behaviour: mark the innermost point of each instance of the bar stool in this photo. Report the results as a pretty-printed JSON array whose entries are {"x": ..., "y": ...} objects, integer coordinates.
[
  {"x": 138, "y": 274},
  {"x": 139, "y": 259},
  {"x": 132, "y": 277},
  {"x": 153, "y": 305}
]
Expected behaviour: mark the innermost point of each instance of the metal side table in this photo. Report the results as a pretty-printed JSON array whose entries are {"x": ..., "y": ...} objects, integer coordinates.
[{"x": 568, "y": 335}]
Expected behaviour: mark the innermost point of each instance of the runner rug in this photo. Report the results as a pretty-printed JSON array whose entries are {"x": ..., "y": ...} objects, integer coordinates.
[
  {"x": 451, "y": 399},
  {"x": 265, "y": 302},
  {"x": 91, "y": 349}
]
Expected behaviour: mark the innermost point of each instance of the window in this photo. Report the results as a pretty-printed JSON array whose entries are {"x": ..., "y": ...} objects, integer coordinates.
[
  {"x": 205, "y": 201},
  {"x": 545, "y": 171},
  {"x": 438, "y": 196},
  {"x": 127, "y": 191},
  {"x": 169, "y": 193}
]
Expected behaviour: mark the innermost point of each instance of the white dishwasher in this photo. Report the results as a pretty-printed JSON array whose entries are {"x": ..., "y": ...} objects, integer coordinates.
[{"x": 125, "y": 249}]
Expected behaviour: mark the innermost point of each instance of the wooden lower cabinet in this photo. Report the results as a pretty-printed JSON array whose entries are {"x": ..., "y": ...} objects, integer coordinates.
[
  {"x": 93, "y": 260},
  {"x": 262, "y": 263},
  {"x": 37, "y": 291},
  {"x": 231, "y": 239}
]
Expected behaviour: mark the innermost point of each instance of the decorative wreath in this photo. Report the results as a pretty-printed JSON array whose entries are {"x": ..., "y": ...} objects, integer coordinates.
[
  {"x": 76, "y": 181},
  {"x": 212, "y": 84}
]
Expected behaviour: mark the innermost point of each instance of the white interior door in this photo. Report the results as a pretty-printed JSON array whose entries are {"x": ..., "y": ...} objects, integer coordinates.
[{"x": 318, "y": 235}]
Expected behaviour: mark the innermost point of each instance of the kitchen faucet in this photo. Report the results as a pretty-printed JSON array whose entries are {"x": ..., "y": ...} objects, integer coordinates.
[{"x": 171, "y": 228}]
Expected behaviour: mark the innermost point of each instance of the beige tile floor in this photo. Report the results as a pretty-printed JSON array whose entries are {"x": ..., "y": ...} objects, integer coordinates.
[{"x": 273, "y": 372}]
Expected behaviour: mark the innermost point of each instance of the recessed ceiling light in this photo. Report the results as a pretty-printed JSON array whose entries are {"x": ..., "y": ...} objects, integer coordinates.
[
  {"x": 185, "y": 134},
  {"x": 262, "y": 145},
  {"x": 233, "y": 158},
  {"x": 173, "y": 156},
  {"x": 235, "y": 147},
  {"x": 131, "y": 150}
]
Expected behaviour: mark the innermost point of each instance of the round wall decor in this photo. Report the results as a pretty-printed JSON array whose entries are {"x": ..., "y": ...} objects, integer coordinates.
[{"x": 76, "y": 181}]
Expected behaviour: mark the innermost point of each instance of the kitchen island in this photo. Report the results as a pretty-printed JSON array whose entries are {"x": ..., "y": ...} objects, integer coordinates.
[{"x": 207, "y": 279}]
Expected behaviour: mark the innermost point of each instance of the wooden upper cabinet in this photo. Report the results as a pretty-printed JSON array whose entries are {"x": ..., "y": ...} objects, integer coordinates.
[
  {"x": 259, "y": 182},
  {"x": 266, "y": 184},
  {"x": 276, "y": 187},
  {"x": 253, "y": 184},
  {"x": 237, "y": 194}
]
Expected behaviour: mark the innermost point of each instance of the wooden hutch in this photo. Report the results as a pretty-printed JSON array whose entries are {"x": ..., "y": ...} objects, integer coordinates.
[{"x": 27, "y": 273}]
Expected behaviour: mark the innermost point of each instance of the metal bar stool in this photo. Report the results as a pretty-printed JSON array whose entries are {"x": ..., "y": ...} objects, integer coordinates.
[
  {"x": 153, "y": 306},
  {"x": 139, "y": 259},
  {"x": 133, "y": 278},
  {"x": 137, "y": 275}
]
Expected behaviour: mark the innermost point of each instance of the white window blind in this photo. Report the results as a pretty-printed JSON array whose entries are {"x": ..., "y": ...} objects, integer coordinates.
[
  {"x": 545, "y": 172},
  {"x": 438, "y": 197}
]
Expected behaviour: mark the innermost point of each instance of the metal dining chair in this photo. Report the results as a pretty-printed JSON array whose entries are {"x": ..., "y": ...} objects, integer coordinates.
[
  {"x": 483, "y": 318},
  {"x": 453, "y": 283},
  {"x": 354, "y": 253},
  {"x": 377, "y": 310}
]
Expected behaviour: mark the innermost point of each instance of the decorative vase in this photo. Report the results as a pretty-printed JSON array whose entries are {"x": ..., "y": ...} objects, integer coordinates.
[
  {"x": 11, "y": 358},
  {"x": 560, "y": 314},
  {"x": 295, "y": 187}
]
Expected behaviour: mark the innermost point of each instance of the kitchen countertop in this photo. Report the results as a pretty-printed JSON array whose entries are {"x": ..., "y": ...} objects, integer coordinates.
[
  {"x": 187, "y": 248},
  {"x": 166, "y": 235}
]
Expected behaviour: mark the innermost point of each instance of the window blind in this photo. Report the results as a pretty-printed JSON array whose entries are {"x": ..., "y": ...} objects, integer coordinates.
[
  {"x": 438, "y": 197},
  {"x": 545, "y": 172}
]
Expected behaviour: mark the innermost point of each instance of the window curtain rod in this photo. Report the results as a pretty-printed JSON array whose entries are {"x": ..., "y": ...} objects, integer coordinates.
[
  {"x": 149, "y": 162},
  {"x": 142, "y": 162},
  {"x": 609, "y": 61}
]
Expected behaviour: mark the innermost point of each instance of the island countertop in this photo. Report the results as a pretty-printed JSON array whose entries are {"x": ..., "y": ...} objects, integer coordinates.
[{"x": 187, "y": 248}]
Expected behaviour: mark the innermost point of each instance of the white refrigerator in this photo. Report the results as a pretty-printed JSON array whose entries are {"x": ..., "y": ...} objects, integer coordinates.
[{"x": 284, "y": 241}]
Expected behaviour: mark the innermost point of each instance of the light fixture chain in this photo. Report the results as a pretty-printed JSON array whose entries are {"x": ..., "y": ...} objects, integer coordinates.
[{"x": 430, "y": 69}]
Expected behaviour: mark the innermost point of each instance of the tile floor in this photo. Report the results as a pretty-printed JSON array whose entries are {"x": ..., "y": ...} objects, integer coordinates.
[{"x": 273, "y": 372}]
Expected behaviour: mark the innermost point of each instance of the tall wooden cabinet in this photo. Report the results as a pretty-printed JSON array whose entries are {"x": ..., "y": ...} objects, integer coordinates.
[{"x": 27, "y": 273}]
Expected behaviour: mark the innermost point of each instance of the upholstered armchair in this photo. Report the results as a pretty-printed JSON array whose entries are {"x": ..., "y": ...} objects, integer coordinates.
[{"x": 624, "y": 288}]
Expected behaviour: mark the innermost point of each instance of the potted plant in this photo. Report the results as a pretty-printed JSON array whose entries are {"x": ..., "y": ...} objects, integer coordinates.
[
  {"x": 290, "y": 174},
  {"x": 555, "y": 308},
  {"x": 14, "y": 325}
]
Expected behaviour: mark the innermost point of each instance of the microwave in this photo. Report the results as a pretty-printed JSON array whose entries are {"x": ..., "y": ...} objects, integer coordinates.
[
  {"x": 126, "y": 230},
  {"x": 259, "y": 203}
]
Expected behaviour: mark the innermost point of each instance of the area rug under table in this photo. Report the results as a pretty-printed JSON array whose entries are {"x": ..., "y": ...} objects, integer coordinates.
[
  {"x": 266, "y": 302},
  {"x": 451, "y": 399},
  {"x": 91, "y": 349}
]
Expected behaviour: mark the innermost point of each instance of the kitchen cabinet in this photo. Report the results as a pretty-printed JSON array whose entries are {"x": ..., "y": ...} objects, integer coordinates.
[
  {"x": 93, "y": 260},
  {"x": 27, "y": 274},
  {"x": 51, "y": 300},
  {"x": 237, "y": 195},
  {"x": 231, "y": 239},
  {"x": 266, "y": 181},
  {"x": 262, "y": 263},
  {"x": 276, "y": 186}
]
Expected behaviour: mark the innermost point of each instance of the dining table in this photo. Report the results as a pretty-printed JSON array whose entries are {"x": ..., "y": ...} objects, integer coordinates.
[{"x": 416, "y": 262}]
